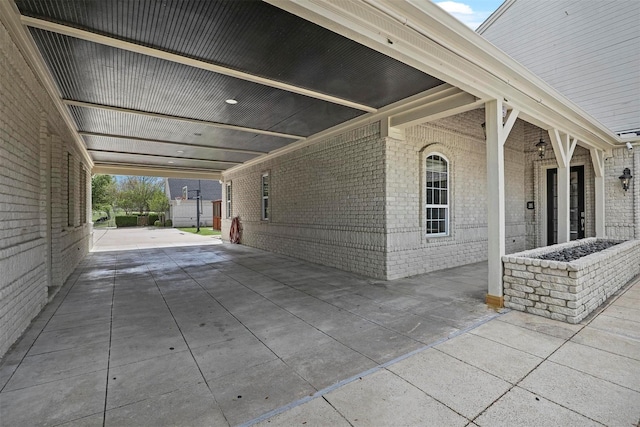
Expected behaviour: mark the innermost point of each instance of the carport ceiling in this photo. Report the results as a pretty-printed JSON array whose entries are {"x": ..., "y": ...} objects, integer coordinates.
[{"x": 146, "y": 81}]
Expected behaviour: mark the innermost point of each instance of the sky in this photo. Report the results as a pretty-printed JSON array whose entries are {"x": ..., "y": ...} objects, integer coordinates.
[{"x": 470, "y": 12}]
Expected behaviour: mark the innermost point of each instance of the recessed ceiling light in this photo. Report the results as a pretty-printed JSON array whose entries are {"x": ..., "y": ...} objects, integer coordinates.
[
  {"x": 231, "y": 101},
  {"x": 180, "y": 151},
  {"x": 170, "y": 162}
]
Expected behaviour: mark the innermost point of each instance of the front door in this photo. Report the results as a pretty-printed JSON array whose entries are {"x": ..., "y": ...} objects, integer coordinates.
[{"x": 576, "y": 204}]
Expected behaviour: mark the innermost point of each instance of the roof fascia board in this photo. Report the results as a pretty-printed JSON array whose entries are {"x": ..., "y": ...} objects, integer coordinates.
[
  {"x": 433, "y": 41},
  {"x": 25, "y": 43},
  {"x": 494, "y": 16},
  {"x": 184, "y": 60}
]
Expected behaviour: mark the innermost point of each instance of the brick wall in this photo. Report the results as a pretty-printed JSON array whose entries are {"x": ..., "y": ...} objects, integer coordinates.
[
  {"x": 620, "y": 206},
  {"x": 327, "y": 202},
  {"x": 356, "y": 201},
  {"x": 567, "y": 291},
  {"x": 38, "y": 249},
  {"x": 461, "y": 140}
]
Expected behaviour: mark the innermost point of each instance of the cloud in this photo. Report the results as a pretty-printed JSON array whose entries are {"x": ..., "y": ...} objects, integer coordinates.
[
  {"x": 464, "y": 13},
  {"x": 455, "y": 7}
]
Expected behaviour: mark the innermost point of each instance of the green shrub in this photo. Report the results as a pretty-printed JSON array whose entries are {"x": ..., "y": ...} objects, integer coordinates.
[
  {"x": 126, "y": 221},
  {"x": 153, "y": 218},
  {"x": 168, "y": 223},
  {"x": 156, "y": 223}
]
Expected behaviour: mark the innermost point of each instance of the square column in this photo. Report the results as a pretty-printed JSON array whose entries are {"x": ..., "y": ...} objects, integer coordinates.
[
  {"x": 496, "y": 136},
  {"x": 564, "y": 219},
  {"x": 597, "y": 158}
]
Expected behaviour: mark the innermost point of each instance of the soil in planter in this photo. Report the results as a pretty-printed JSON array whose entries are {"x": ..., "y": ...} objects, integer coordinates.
[{"x": 572, "y": 254}]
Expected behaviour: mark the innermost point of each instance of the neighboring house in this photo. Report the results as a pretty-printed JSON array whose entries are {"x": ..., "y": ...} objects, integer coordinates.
[
  {"x": 587, "y": 50},
  {"x": 183, "y": 213}
]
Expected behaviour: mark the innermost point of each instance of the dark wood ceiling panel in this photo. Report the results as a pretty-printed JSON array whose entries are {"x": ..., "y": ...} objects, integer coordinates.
[
  {"x": 249, "y": 36},
  {"x": 139, "y": 126},
  {"x": 104, "y": 75}
]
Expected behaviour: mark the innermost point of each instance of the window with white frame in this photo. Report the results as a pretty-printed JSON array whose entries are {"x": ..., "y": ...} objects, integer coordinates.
[
  {"x": 228, "y": 199},
  {"x": 265, "y": 196},
  {"x": 437, "y": 195}
]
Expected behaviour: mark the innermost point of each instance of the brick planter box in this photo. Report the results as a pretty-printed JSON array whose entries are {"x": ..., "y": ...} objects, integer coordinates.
[{"x": 567, "y": 291}]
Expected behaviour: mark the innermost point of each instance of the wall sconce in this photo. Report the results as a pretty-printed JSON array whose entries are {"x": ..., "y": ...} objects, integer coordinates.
[
  {"x": 625, "y": 178},
  {"x": 542, "y": 148}
]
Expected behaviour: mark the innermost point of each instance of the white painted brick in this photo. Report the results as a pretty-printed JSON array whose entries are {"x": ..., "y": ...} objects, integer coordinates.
[{"x": 34, "y": 141}]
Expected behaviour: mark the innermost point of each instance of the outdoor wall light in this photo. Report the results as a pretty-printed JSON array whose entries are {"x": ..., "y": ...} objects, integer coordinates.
[
  {"x": 625, "y": 178},
  {"x": 542, "y": 148},
  {"x": 484, "y": 129}
]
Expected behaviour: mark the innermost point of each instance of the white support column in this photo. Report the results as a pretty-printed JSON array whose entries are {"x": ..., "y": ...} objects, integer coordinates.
[
  {"x": 597, "y": 158},
  {"x": 563, "y": 147},
  {"x": 496, "y": 136}
]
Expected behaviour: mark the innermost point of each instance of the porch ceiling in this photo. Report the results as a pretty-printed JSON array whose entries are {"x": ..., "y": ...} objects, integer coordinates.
[{"x": 145, "y": 82}]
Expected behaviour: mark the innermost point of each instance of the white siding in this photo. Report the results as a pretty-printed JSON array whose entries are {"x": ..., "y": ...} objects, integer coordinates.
[
  {"x": 185, "y": 215},
  {"x": 589, "y": 50}
]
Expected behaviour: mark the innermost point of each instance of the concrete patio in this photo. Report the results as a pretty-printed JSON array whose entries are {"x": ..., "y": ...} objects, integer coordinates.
[{"x": 219, "y": 334}]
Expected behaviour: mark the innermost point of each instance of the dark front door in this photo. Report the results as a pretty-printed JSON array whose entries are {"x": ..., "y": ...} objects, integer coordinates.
[{"x": 576, "y": 204}]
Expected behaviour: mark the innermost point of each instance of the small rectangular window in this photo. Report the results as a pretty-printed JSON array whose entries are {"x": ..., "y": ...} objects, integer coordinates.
[
  {"x": 83, "y": 194},
  {"x": 265, "y": 197},
  {"x": 70, "y": 192},
  {"x": 228, "y": 200}
]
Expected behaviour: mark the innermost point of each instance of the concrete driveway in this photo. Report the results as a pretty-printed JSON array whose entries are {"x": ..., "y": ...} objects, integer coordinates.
[
  {"x": 219, "y": 334},
  {"x": 184, "y": 330}
]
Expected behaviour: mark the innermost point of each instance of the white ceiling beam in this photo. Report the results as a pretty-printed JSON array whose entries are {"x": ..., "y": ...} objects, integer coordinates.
[
  {"x": 160, "y": 156},
  {"x": 180, "y": 59},
  {"x": 179, "y": 144},
  {"x": 180, "y": 118},
  {"x": 448, "y": 105},
  {"x": 112, "y": 168}
]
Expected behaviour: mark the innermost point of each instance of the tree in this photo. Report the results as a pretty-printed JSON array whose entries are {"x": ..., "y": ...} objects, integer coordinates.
[
  {"x": 136, "y": 192},
  {"x": 103, "y": 192},
  {"x": 159, "y": 204}
]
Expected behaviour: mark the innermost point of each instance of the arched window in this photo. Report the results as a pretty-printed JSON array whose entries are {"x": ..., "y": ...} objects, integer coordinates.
[{"x": 437, "y": 195}]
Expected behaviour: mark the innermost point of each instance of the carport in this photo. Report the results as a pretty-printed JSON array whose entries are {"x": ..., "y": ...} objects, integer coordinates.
[{"x": 217, "y": 334}]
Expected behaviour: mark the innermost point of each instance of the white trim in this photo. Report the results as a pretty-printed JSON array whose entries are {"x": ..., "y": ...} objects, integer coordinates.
[
  {"x": 180, "y": 59},
  {"x": 446, "y": 102},
  {"x": 114, "y": 168},
  {"x": 161, "y": 156},
  {"x": 228, "y": 199},
  {"x": 426, "y": 205}
]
